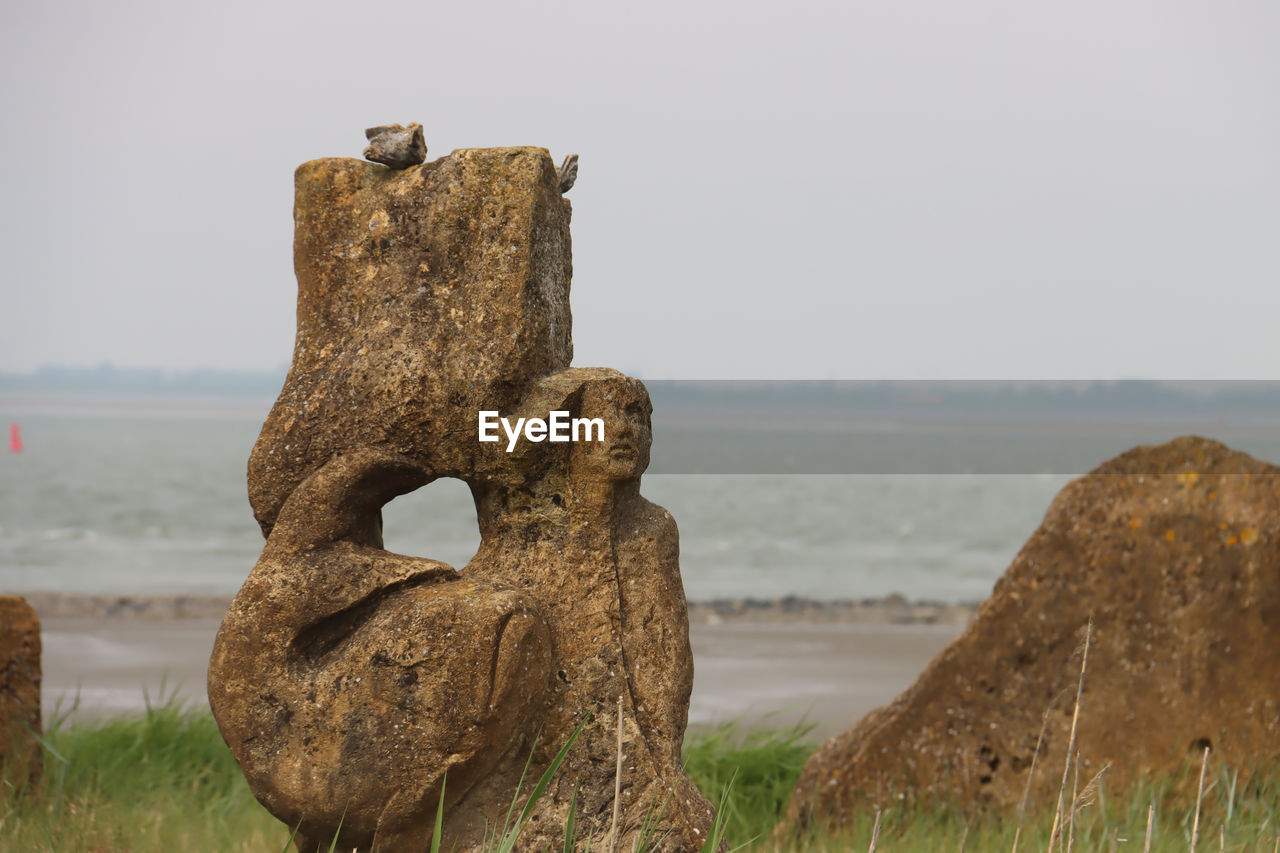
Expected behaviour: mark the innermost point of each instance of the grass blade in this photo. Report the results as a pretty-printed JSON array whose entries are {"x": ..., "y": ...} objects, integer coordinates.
[
  {"x": 1071, "y": 743},
  {"x": 1195, "y": 826},
  {"x": 333, "y": 845},
  {"x": 617, "y": 788},
  {"x": 292, "y": 835},
  {"x": 648, "y": 839},
  {"x": 571, "y": 825},
  {"x": 1026, "y": 791},
  {"x": 716, "y": 835},
  {"x": 438, "y": 831},
  {"x": 508, "y": 842},
  {"x": 1075, "y": 798}
]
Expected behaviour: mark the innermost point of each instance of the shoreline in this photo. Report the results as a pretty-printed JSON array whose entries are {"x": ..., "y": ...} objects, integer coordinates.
[
  {"x": 771, "y": 662},
  {"x": 890, "y": 610}
]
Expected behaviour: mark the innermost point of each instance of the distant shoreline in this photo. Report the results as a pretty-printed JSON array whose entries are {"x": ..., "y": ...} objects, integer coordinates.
[{"x": 893, "y": 609}]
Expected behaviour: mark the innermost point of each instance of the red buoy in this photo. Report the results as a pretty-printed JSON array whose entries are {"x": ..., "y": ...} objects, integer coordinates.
[{"x": 15, "y": 439}]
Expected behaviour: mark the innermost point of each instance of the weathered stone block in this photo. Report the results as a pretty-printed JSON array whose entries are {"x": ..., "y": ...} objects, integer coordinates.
[
  {"x": 19, "y": 688},
  {"x": 424, "y": 295},
  {"x": 1174, "y": 551}
]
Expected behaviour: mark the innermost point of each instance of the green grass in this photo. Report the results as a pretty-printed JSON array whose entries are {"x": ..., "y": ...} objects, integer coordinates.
[
  {"x": 1240, "y": 821},
  {"x": 1236, "y": 816},
  {"x": 159, "y": 781},
  {"x": 757, "y": 768},
  {"x": 164, "y": 781}
]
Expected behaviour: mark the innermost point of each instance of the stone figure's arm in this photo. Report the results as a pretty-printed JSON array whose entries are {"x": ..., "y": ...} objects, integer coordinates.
[{"x": 325, "y": 555}]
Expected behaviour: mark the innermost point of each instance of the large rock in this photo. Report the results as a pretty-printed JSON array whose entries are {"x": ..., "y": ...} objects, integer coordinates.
[
  {"x": 352, "y": 684},
  {"x": 19, "y": 689},
  {"x": 1174, "y": 551}
]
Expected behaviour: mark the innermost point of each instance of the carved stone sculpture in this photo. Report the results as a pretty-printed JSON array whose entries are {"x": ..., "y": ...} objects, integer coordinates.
[
  {"x": 1173, "y": 552},
  {"x": 353, "y": 684}
]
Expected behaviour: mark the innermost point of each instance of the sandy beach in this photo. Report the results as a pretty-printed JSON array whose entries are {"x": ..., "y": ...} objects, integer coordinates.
[
  {"x": 760, "y": 664},
  {"x": 828, "y": 674}
]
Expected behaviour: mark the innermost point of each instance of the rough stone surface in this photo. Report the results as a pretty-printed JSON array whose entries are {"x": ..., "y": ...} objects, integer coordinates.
[
  {"x": 19, "y": 688},
  {"x": 424, "y": 295},
  {"x": 353, "y": 684},
  {"x": 1173, "y": 550},
  {"x": 396, "y": 146}
]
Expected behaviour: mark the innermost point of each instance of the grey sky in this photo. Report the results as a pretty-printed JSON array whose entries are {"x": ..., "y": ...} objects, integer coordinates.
[{"x": 890, "y": 189}]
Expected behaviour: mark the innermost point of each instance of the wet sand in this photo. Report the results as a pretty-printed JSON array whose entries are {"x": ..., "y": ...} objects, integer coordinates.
[
  {"x": 759, "y": 672},
  {"x": 100, "y": 667},
  {"x": 827, "y": 674}
]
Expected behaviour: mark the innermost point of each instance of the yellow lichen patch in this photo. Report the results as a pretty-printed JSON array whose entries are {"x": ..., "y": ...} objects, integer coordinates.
[
  {"x": 1248, "y": 536},
  {"x": 1188, "y": 478},
  {"x": 1212, "y": 495},
  {"x": 1222, "y": 526},
  {"x": 1232, "y": 540},
  {"x": 1135, "y": 523},
  {"x": 1168, "y": 534}
]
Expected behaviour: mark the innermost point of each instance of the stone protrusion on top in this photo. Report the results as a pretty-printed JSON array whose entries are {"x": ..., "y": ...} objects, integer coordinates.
[
  {"x": 568, "y": 173},
  {"x": 396, "y": 146}
]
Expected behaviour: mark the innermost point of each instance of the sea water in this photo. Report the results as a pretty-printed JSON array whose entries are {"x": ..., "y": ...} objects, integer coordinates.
[{"x": 143, "y": 496}]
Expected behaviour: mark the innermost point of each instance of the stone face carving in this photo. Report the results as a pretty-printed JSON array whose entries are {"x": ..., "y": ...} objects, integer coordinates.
[
  {"x": 1173, "y": 551},
  {"x": 19, "y": 689},
  {"x": 351, "y": 682}
]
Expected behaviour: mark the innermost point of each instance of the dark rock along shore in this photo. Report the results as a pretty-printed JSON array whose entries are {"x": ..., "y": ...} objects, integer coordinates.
[{"x": 790, "y": 609}]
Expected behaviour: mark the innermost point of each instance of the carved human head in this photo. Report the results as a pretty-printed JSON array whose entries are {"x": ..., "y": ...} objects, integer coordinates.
[{"x": 622, "y": 403}]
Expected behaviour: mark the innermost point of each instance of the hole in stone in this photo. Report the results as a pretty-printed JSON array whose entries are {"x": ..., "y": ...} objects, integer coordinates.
[{"x": 437, "y": 521}]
